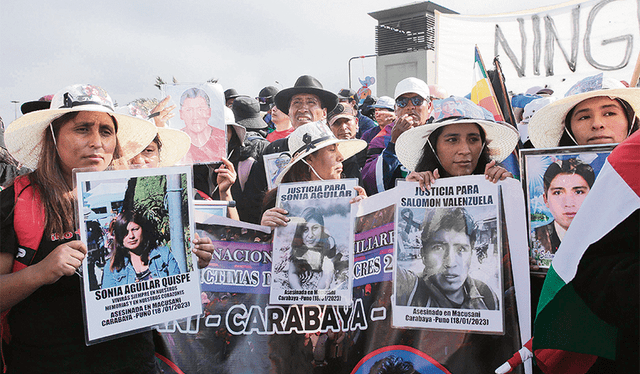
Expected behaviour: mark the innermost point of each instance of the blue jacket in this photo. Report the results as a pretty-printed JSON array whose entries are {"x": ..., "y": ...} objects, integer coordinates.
[{"x": 161, "y": 264}]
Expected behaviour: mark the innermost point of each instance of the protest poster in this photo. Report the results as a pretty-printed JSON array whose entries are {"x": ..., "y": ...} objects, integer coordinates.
[
  {"x": 312, "y": 255},
  {"x": 139, "y": 271},
  {"x": 556, "y": 181},
  {"x": 274, "y": 163},
  {"x": 199, "y": 112},
  {"x": 255, "y": 336},
  {"x": 448, "y": 251},
  {"x": 241, "y": 260},
  {"x": 374, "y": 240},
  {"x": 554, "y": 46}
]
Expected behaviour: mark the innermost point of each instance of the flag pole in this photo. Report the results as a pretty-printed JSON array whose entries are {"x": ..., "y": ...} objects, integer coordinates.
[{"x": 636, "y": 73}]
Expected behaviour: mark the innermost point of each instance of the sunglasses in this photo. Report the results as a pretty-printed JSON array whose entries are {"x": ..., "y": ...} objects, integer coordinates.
[{"x": 403, "y": 101}]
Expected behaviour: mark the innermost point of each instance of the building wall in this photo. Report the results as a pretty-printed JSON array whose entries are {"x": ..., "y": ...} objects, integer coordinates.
[{"x": 391, "y": 69}]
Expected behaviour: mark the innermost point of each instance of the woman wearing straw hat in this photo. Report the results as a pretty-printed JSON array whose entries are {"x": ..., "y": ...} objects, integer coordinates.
[
  {"x": 318, "y": 155},
  {"x": 39, "y": 290},
  {"x": 465, "y": 144},
  {"x": 596, "y": 110}
]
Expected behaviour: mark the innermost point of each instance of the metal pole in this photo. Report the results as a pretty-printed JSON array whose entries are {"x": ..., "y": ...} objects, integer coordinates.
[
  {"x": 349, "y": 67},
  {"x": 15, "y": 109},
  {"x": 176, "y": 229}
]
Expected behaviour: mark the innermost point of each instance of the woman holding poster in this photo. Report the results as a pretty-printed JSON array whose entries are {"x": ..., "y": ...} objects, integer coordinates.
[
  {"x": 135, "y": 253},
  {"x": 40, "y": 293},
  {"x": 468, "y": 143},
  {"x": 318, "y": 156}
]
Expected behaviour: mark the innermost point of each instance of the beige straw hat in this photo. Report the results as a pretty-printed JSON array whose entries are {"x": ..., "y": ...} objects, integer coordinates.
[
  {"x": 547, "y": 124},
  {"x": 314, "y": 136},
  {"x": 24, "y": 135},
  {"x": 502, "y": 138},
  {"x": 175, "y": 143}
]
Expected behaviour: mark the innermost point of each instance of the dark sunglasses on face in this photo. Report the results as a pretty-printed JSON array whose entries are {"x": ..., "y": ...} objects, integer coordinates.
[{"x": 403, "y": 101}]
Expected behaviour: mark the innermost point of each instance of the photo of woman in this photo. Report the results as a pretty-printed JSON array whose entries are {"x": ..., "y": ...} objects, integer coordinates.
[
  {"x": 312, "y": 253},
  {"x": 135, "y": 252}
]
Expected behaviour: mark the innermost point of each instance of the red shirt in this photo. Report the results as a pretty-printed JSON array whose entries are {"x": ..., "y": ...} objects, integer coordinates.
[{"x": 275, "y": 135}]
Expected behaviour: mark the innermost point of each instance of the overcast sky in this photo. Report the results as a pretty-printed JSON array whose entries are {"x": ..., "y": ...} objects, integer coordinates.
[{"x": 123, "y": 45}]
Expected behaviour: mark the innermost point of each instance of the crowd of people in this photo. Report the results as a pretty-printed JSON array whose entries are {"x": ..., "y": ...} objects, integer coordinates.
[{"x": 420, "y": 134}]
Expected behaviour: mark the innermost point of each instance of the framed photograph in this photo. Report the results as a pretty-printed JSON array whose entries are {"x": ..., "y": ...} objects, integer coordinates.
[
  {"x": 556, "y": 181},
  {"x": 199, "y": 112},
  {"x": 139, "y": 271},
  {"x": 274, "y": 163},
  {"x": 313, "y": 254},
  {"x": 448, "y": 273}
]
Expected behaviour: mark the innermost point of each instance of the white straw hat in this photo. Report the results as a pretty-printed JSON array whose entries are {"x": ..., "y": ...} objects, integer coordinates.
[
  {"x": 547, "y": 125},
  {"x": 314, "y": 136},
  {"x": 502, "y": 138},
  {"x": 24, "y": 135},
  {"x": 175, "y": 143}
]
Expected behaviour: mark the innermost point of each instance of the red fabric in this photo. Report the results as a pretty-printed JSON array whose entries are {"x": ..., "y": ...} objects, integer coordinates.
[
  {"x": 624, "y": 160},
  {"x": 556, "y": 361},
  {"x": 28, "y": 217},
  {"x": 275, "y": 135}
]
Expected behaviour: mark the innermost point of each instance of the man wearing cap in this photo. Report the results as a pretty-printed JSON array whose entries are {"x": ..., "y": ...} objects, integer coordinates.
[
  {"x": 208, "y": 143},
  {"x": 265, "y": 98},
  {"x": 413, "y": 108},
  {"x": 365, "y": 123},
  {"x": 384, "y": 112},
  {"x": 343, "y": 123},
  {"x": 307, "y": 101}
]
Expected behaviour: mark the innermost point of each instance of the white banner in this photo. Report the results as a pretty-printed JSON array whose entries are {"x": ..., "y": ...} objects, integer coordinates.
[{"x": 555, "y": 46}]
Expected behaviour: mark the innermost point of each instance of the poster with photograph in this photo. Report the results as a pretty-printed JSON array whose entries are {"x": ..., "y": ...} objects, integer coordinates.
[
  {"x": 199, "y": 112},
  {"x": 556, "y": 181},
  {"x": 448, "y": 274},
  {"x": 274, "y": 163},
  {"x": 374, "y": 239},
  {"x": 312, "y": 255},
  {"x": 139, "y": 270},
  {"x": 241, "y": 260}
]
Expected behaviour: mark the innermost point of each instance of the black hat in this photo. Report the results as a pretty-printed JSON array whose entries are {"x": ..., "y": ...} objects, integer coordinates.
[
  {"x": 231, "y": 93},
  {"x": 346, "y": 93},
  {"x": 247, "y": 112},
  {"x": 265, "y": 97},
  {"x": 310, "y": 85},
  {"x": 31, "y": 106}
]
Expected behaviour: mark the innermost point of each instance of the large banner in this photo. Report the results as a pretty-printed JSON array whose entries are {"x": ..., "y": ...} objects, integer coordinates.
[
  {"x": 243, "y": 333},
  {"x": 555, "y": 46}
]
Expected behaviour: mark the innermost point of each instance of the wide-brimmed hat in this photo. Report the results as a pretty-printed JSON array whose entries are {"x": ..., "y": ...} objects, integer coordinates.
[
  {"x": 230, "y": 121},
  {"x": 230, "y": 93},
  {"x": 246, "y": 111},
  {"x": 265, "y": 97},
  {"x": 314, "y": 136},
  {"x": 501, "y": 137},
  {"x": 309, "y": 85},
  {"x": 175, "y": 143},
  {"x": 31, "y": 106},
  {"x": 24, "y": 135},
  {"x": 547, "y": 125}
]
